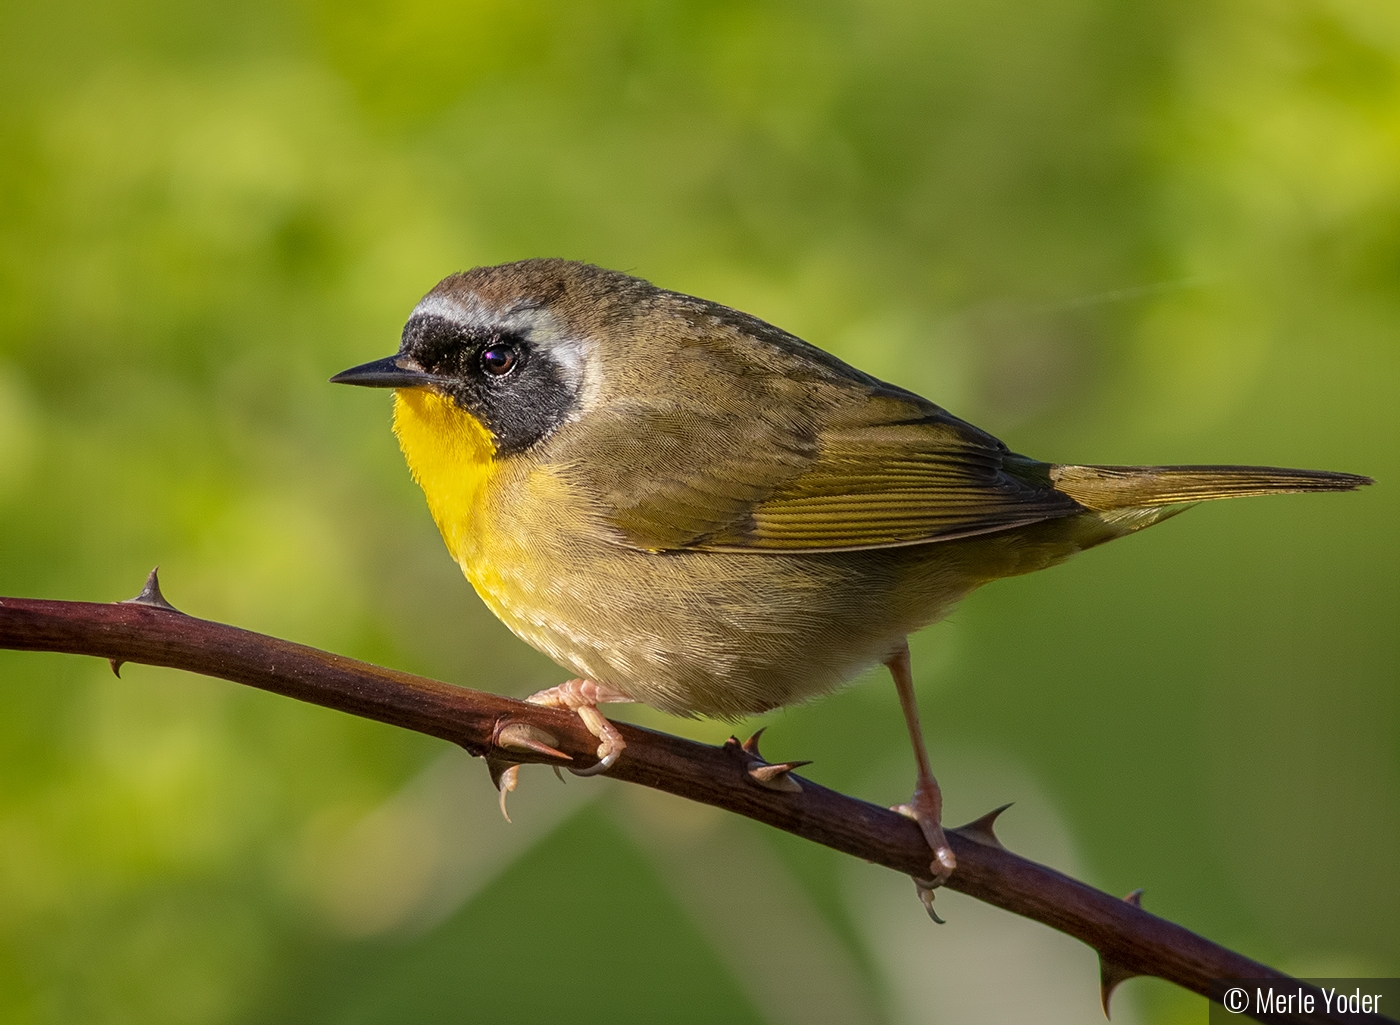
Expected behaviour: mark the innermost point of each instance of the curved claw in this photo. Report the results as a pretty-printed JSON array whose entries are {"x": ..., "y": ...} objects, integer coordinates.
[
  {"x": 506, "y": 783},
  {"x": 924, "y": 888},
  {"x": 610, "y": 742},
  {"x": 606, "y": 760}
]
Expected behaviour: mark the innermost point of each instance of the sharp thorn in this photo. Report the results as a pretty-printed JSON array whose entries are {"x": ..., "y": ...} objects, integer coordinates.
[
  {"x": 150, "y": 595},
  {"x": 1135, "y": 898},
  {"x": 732, "y": 744},
  {"x": 775, "y": 777},
  {"x": 523, "y": 737},
  {"x": 1111, "y": 974},
  {"x": 558, "y": 775},
  {"x": 751, "y": 745},
  {"x": 980, "y": 830},
  {"x": 116, "y": 665}
]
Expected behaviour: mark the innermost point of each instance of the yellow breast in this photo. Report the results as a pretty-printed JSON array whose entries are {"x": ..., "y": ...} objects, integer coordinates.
[{"x": 451, "y": 457}]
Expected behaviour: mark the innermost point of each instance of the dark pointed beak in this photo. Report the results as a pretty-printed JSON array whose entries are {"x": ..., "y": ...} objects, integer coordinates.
[{"x": 386, "y": 373}]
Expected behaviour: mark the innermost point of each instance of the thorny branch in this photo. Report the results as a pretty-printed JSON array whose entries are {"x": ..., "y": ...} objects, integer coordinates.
[{"x": 146, "y": 629}]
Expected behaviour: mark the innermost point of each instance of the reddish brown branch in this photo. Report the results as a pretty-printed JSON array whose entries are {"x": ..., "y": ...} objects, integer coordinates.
[{"x": 1130, "y": 941}]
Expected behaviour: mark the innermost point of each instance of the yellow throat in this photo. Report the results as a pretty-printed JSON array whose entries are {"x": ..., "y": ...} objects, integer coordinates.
[{"x": 451, "y": 456}]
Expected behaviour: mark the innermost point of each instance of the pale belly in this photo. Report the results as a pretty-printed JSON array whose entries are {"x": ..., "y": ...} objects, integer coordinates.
[
  {"x": 720, "y": 633},
  {"x": 713, "y": 634}
]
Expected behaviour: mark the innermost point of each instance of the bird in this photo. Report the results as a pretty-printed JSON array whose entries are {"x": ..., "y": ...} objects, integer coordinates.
[{"x": 688, "y": 507}]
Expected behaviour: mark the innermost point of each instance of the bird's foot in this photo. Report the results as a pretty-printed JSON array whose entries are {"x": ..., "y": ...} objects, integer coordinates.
[
  {"x": 583, "y": 698},
  {"x": 926, "y": 808}
]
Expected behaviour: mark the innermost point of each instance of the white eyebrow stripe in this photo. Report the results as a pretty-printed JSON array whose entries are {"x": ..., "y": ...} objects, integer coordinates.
[
  {"x": 520, "y": 318},
  {"x": 450, "y": 309}
]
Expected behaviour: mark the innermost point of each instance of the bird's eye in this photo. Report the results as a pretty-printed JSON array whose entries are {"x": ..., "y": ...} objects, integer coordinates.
[{"x": 500, "y": 359}]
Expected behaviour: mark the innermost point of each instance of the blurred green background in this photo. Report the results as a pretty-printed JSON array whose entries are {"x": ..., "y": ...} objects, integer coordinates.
[{"x": 1106, "y": 232}]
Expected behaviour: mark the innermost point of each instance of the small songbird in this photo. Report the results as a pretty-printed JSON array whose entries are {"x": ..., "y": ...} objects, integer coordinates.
[{"x": 691, "y": 508}]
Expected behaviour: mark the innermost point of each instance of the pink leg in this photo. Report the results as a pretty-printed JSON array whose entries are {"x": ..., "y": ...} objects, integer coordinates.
[
  {"x": 926, "y": 806},
  {"x": 584, "y": 697}
]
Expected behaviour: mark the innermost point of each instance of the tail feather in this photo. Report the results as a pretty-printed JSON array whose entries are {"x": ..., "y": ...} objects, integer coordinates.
[{"x": 1105, "y": 488}]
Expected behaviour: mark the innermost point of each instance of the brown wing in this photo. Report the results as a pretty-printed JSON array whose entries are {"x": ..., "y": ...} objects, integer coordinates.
[
  {"x": 765, "y": 466},
  {"x": 882, "y": 485},
  {"x": 726, "y": 433}
]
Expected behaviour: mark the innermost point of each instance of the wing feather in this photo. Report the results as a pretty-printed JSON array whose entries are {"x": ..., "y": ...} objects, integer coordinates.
[
  {"x": 887, "y": 486},
  {"x": 751, "y": 440}
]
